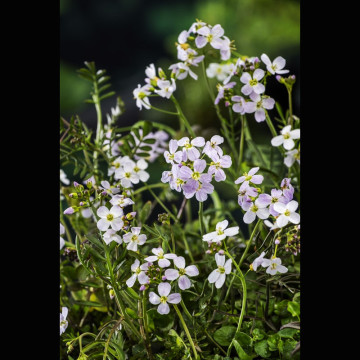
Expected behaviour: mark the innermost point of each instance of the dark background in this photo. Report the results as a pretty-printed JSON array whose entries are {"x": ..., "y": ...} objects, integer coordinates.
[{"x": 125, "y": 36}]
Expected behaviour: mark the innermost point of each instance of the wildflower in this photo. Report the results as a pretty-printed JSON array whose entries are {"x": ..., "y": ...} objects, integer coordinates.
[
  {"x": 63, "y": 321},
  {"x": 252, "y": 83},
  {"x": 234, "y": 69},
  {"x": 189, "y": 147},
  {"x": 218, "y": 275},
  {"x": 189, "y": 56},
  {"x": 254, "y": 210},
  {"x": 166, "y": 88},
  {"x": 239, "y": 105},
  {"x": 140, "y": 94},
  {"x": 160, "y": 257},
  {"x": 212, "y": 147},
  {"x": 200, "y": 190},
  {"x": 127, "y": 175},
  {"x": 90, "y": 182},
  {"x": 212, "y": 36},
  {"x": 110, "y": 217},
  {"x": 250, "y": 177},
  {"x": 271, "y": 225},
  {"x": 164, "y": 291},
  {"x": 119, "y": 161},
  {"x": 291, "y": 157},
  {"x": 105, "y": 185},
  {"x": 173, "y": 155},
  {"x": 266, "y": 199},
  {"x": 221, "y": 232},
  {"x": 110, "y": 235},
  {"x": 276, "y": 66},
  {"x": 258, "y": 106},
  {"x": 182, "y": 70},
  {"x": 220, "y": 71},
  {"x": 221, "y": 89},
  {"x": 273, "y": 266},
  {"x": 257, "y": 262},
  {"x": 62, "y": 231},
  {"x": 150, "y": 72},
  {"x": 286, "y": 138},
  {"x": 185, "y": 173},
  {"x": 244, "y": 192},
  {"x": 225, "y": 48},
  {"x": 217, "y": 165},
  {"x": 139, "y": 169},
  {"x": 139, "y": 273},
  {"x": 287, "y": 213},
  {"x": 70, "y": 210},
  {"x": 182, "y": 273},
  {"x": 121, "y": 200},
  {"x": 134, "y": 238},
  {"x": 63, "y": 177}
]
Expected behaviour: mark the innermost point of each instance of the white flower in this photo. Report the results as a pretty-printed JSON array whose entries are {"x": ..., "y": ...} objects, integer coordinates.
[
  {"x": 127, "y": 175},
  {"x": 139, "y": 169},
  {"x": 172, "y": 274},
  {"x": 134, "y": 238},
  {"x": 189, "y": 147},
  {"x": 139, "y": 273},
  {"x": 173, "y": 155},
  {"x": 276, "y": 66},
  {"x": 291, "y": 156},
  {"x": 160, "y": 257},
  {"x": 252, "y": 83},
  {"x": 105, "y": 185},
  {"x": 274, "y": 266},
  {"x": 182, "y": 70},
  {"x": 286, "y": 137},
  {"x": 253, "y": 210},
  {"x": 218, "y": 275},
  {"x": 62, "y": 231},
  {"x": 110, "y": 217},
  {"x": 220, "y": 71},
  {"x": 63, "y": 177},
  {"x": 221, "y": 232},
  {"x": 212, "y": 147},
  {"x": 110, "y": 235},
  {"x": 119, "y": 161},
  {"x": 189, "y": 56},
  {"x": 270, "y": 225},
  {"x": 250, "y": 177},
  {"x": 164, "y": 291},
  {"x": 287, "y": 213},
  {"x": 140, "y": 94},
  {"x": 258, "y": 261},
  {"x": 166, "y": 88},
  {"x": 212, "y": 36},
  {"x": 63, "y": 321},
  {"x": 121, "y": 200}
]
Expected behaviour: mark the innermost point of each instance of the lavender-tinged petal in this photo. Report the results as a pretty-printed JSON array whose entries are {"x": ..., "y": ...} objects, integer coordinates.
[
  {"x": 249, "y": 217},
  {"x": 199, "y": 165},
  {"x": 200, "y": 41},
  {"x": 257, "y": 179},
  {"x": 171, "y": 274},
  {"x": 191, "y": 270},
  {"x": 163, "y": 263},
  {"x": 263, "y": 200},
  {"x": 164, "y": 289},
  {"x": 154, "y": 298},
  {"x": 214, "y": 275},
  {"x": 174, "y": 298},
  {"x": 260, "y": 115},
  {"x": 184, "y": 282},
  {"x": 180, "y": 262},
  {"x": 163, "y": 309}
]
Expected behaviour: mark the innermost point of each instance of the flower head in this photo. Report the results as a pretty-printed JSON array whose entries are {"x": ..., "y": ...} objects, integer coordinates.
[
  {"x": 110, "y": 217},
  {"x": 134, "y": 238},
  {"x": 160, "y": 257},
  {"x": 287, "y": 213},
  {"x": 221, "y": 232},
  {"x": 63, "y": 321},
  {"x": 252, "y": 83},
  {"x": 164, "y": 298},
  {"x": 110, "y": 235},
  {"x": 286, "y": 138},
  {"x": 276, "y": 66},
  {"x": 139, "y": 272},
  {"x": 274, "y": 266},
  {"x": 182, "y": 273},
  {"x": 257, "y": 262},
  {"x": 218, "y": 275}
]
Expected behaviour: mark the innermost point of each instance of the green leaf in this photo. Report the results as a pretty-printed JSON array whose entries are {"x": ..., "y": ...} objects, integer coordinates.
[
  {"x": 135, "y": 130},
  {"x": 94, "y": 240},
  {"x": 262, "y": 349},
  {"x": 89, "y": 303},
  {"x": 81, "y": 273},
  {"x": 145, "y": 148},
  {"x": 224, "y": 335},
  {"x": 103, "y": 88},
  {"x": 149, "y": 141},
  {"x": 131, "y": 312},
  {"x": 273, "y": 341},
  {"x": 142, "y": 154},
  {"x": 289, "y": 346},
  {"x": 112, "y": 93},
  {"x": 258, "y": 334},
  {"x": 294, "y": 308},
  {"x": 145, "y": 212},
  {"x": 287, "y": 332},
  {"x": 147, "y": 126},
  {"x": 133, "y": 293},
  {"x": 240, "y": 351}
]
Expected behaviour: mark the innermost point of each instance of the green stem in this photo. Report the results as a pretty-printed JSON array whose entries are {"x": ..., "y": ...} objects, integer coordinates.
[
  {"x": 243, "y": 257},
  {"x": 182, "y": 117},
  {"x": 209, "y": 336},
  {"x": 161, "y": 203},
  {"x": 172, "y": 238},
  {"x": 186, "y": 310},
  {"x": 241, "y": 148},
  {"x": 187, "y": 247},
  {"x": 201, "y": 218},
  {"x": 186, "y": 331},
  {"x": 290, "y": 120},
  {"x": 99, "y": 128},
  {"x": 151, "y": 186}
]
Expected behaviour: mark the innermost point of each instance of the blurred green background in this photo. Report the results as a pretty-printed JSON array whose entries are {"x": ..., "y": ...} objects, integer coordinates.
[{"x": 124, "y": 36}]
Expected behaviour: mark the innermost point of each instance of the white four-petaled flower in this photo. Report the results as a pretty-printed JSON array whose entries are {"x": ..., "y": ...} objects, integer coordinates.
[
  {"x": 218, "y": 275},
  {"x": 110, "y": 235},
  {"x": 276, "y": 66},
  {"x": 110, "y": 217},
  {"x": 182, "y": 273},
  {"x": 273, "y": 266},
  {"x": 287, "y": 213},
  {"x": 221, "y": 232},
  {"x": 160, "y": 257},
  {"x": 252, "y": 83},
  {"x": 63, "y": 321},
  {"x": 139, "y": 273},
  {"x": 164, "y": 298},
  {"x": 134, "y": 238},
  {"x": 286, "y": 138}
]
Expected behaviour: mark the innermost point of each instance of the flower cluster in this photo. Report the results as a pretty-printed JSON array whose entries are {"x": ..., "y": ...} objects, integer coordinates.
[
  {"x": 279, "y": 203},
  {"x": 188, "y": 172},
  {"x": 198, "y": 36}
]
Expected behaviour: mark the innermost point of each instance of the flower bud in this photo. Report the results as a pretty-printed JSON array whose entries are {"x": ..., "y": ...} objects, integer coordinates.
[
  {"x": 82, "y": 203},
  {"x": 163, "y": 278},
  {"x": 73, "y": 195},
  {"x": 277, "y": 241},
  {"x": 104, "y": 193},
  {"x": 161, "y": 73},
  {"x": 221, "y": 252},
  {"x": 142, "y": 288},
  {"x": 131, "y": 215},
  {"x": 76, "y": 184},
  {"x": 69, "y": 210},
  {"x": 112, "y": 294},
  {"x": 208, "y": 252},
  {"x": 227, "y": 103}
]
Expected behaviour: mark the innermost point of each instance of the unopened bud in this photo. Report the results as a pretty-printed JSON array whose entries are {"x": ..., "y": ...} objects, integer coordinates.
[
  {"x": 104, "y": 193},
  {"x": 73, "y": 195},
  {"x": 131, "y": 215},
  {"x": 221, "y": 252},
  {"x": 227, "y": 103},
  {"x": 69, "y": 211},
  {"x": 150, "y": 264},
  {"x": 76, "y": 184},
  {"x": 157, "y": 269},
  {"x": 277, "y": 242},
  {"x": 163, "y": 278},
  {"x": 82, "y": 203},
  {"x": 208, "y": 252},
  {"x": 112, "y": 294},
  {"x": 252, "y": 67},
  {"x": 142, "y": 288}
]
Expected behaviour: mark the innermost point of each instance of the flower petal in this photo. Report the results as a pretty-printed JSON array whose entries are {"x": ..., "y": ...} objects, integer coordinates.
[
  {"x": 174, "y": 298},
  {"x": 163, "y": 309},
  {"x": 292, "y": 205},
  {"x": 220, "y": 281},
  {"x": 191, "y": 270},
  {"x": 154, "y": 298},
  {"x": 103, "y": 224},
  {"x": 171, "y": 274},
  {"x": 180, "y": 262},
  {"x": 249, "y": 217},
  {"x": 163, "y": 263},
  {"x": 227, "y": 266},
  {"x": 143, "y": 278},
  {"x": 184, "y": 282},
  {"x": 131, "y": 281},
  {"x": 164, "y": 289},
  {"x": 214, "y": 275},
  {"x": 232, "y": 231},
  {"x": 220, "y": 259},
  {"x": 102, "y": 211}
]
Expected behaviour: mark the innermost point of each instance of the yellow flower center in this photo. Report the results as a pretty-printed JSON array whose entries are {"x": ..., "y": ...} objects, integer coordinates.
[
  {"x": 110, "y": 217},
  {"x": 253, "y": 82},
  {"x": 287, "y": 213},
  {"x": 286, "y": 136},
  {"x": 254, "y": 208},
  {"x": 185, "y": 46},
  {"x": 138, "y": 271},
  {"x": 182, "y": 272},
  {"x": 163, "y": 299},
  {"x": 221, "y": 269},
  {"x": 196, "y": 175},
  {"x": 128, "y": 175},
  {"x": 136, "y": 169},
  {"x": 134, "y": 238}
]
